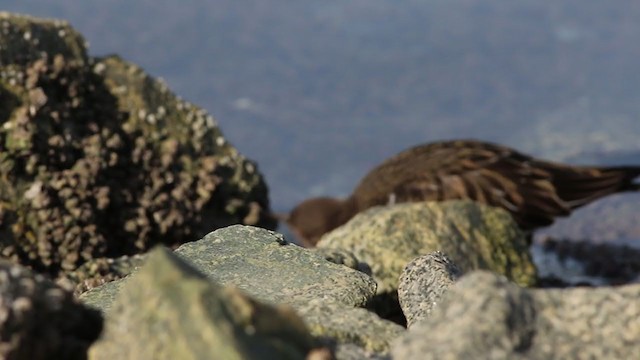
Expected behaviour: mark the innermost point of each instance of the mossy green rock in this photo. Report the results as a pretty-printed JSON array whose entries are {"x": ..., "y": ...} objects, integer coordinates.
[
  {"x": 475, "y": 236},
  {"x": 168, "y": 310},
  {"x": 99, "y": 159}
]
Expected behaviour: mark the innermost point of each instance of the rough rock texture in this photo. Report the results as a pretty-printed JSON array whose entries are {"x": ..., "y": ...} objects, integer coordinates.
[
  {"x": 340, "y": 324},
  {"x": 97, "y": 159},
  {"x": 353, "y": 352},
  {"x": 263, "y": 265},
  {"x": 423, "y": 283},
  {"x": 40, "y": 320},
  {"x": 485, "y": 316},
  {"x": 170, "y": 311},
  {"x": 96, "y": 272},
  {"x": 343, "y": 257},
  {"x": 473, "y": 235},
  {"x": 585, "y": 262}
]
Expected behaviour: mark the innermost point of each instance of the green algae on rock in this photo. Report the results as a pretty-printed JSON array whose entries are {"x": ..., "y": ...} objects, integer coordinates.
[
  {"x": 168, "y": 310},
  {"x": 475, "y": 236},
  {"x": 98, "y": 159}
]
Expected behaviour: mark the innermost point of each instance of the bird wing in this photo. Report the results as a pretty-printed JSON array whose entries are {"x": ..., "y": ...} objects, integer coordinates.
[{"x": 467, "y": 169}]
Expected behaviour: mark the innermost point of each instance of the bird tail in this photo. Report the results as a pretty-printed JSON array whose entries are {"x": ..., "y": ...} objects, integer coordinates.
[{"x": 578, "y": 186}]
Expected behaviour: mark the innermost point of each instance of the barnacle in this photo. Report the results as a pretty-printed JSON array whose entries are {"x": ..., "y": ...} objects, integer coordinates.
[{"x": 98, "y": 159}]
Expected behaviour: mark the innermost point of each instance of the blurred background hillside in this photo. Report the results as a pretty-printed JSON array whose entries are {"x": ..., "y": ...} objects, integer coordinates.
[{"x": 319, "y": 92}]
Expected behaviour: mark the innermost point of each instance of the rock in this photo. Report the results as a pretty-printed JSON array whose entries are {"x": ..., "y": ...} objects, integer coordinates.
[
  {"x": 585, "y": 262},
  {"x": 25, "y": 39},
  {"x": 260, "y": 263},
  {"x": 473, "y": 235},
  {"x": 339, "y": 324},
  {"x": 168, "y": 310},
  {"x": 98, "y": 159},
  {"x": 485, "y": 316},
  {"x": 423, "y": 283},
  {"x": 353, "y": 352},
  {"x": 40, "y": 320},
  {"x": 342, "y": 257},
  {"x": 99, "y": 271}
]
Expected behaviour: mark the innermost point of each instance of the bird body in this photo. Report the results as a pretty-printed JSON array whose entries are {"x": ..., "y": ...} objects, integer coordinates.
[{"x": 534, "y": 191}]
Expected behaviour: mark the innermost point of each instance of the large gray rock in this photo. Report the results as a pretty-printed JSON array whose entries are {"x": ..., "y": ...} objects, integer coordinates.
[
  {"x": 485, "y": 316},
  {"x": 423, "y": 283},
  {"x": 264, "y": 265},
  {"x": 260, "y": 263},
  {"x": 40, "y": 320},
  {"x": 473, "y": 235},
  {"x": 168, "y": 310},
  {"x": 100, "y": 159},
  {"x": 348, "y": 325}
]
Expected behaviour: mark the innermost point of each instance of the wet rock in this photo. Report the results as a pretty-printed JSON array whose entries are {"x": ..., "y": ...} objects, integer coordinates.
[
  {"x": 587, "y": 263},
  {"x": 40, "y": 320},
  {"x": 485, "y": 316},
  {"x": 168, "y": 310},
  {"x": 98, "y": 159},
  {"x": 473, "y": 235},
  {"x": 423, "y": 283}
]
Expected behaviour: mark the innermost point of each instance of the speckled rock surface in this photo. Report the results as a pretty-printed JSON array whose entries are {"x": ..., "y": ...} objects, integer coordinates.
[
  {"x": 262, "y": 264},
  {"x": 473, "y": 235},
  {"x": 423, "y": 283},
  {"x": 40, "y": 320},
  {"x": 584, "y": 262},
  {"x": 347, "y": 325},
  {"x": 98, "y": 159},
  {"x": 343, "y": 257},
  {"x": 354, "y": 352},
  {"x": 99, "y": 271},
  {"x": 170, "y": 311},
  {"x": 485, "y": 316}
]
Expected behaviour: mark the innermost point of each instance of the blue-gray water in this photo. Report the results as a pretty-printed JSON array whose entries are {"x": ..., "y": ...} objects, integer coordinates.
[{"x": 319, "y": 92}]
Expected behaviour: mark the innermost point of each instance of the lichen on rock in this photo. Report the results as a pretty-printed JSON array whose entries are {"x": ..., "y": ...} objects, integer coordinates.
[{"x": 98, "y": 159}]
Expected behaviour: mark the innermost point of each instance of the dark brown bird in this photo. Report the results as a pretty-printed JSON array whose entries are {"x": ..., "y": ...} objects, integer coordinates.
[{"x": 534, "y": 191}]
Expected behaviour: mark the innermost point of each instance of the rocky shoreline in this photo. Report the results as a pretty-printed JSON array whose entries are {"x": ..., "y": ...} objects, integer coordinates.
[{"x": 107, "y": 178}]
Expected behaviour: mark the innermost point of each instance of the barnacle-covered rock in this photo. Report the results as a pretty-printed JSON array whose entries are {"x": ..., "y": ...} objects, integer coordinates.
[
  {"x": 96, "y": 272},
  {"x": 39, "y": 320},
  {"x": 98, "y": 159}
]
